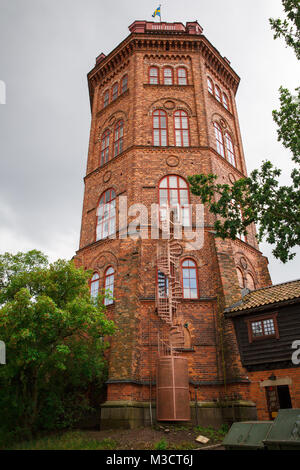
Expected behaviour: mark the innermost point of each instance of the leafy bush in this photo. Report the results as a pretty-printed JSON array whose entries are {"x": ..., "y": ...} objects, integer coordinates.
[
  {"x": 161, "y": 445},
  {"x": 53, "y": 333}
]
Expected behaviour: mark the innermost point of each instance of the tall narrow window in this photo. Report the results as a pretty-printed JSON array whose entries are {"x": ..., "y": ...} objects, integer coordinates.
[
  {"x": 189, "y": 279},
  {"x": 94, "y": 285},
  {"x": 240, "y": 278},
  {"x": 174, "y": 195},
  {"x": 181, "y": 76},
  {"x": 124, "y": 84},
  {"x": 115, "y": 89},
  {"x": 162, "y": 285},
  {"x": 153, "y": 76},
  {"x": 159, "y": 128},
  {"x": 210, "y": 86},
  {"x": 106, "y": 99},
  {"x": 106, "y": 215},
  {"x": 118, "y": 138},
  {"x": 109, "y": 278},
  {"x": 168, "y": 76},
  {"x": 219, "y": 139},
  {"x": 225, "y": 101},
  {"x": 230, "y": 150},
  {"x": 181, "y": 125},
  {"x": 250, "y": 284},
  {"x": 218, "y": 93},
  {"x": 105, "y": 147}
]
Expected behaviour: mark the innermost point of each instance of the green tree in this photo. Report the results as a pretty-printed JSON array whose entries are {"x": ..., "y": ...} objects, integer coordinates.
[
  {"x": 53, "y": 333},
  {"x": 260, "y": 198}
]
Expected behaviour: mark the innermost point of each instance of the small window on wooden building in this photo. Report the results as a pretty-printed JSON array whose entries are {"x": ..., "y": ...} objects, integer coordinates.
[{"x": 262, "y": 327}]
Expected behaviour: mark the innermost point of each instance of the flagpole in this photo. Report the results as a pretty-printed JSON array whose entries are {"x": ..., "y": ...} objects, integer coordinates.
[{"x": 160, "y": 12}]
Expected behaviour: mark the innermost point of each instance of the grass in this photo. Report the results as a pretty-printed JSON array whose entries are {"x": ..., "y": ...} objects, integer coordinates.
[
  {"x": 215, "y": 435},
  {"x": 77, "y": 440},
  {"x": 160, "y": 445},
  {"x": 72, "y": 440}
]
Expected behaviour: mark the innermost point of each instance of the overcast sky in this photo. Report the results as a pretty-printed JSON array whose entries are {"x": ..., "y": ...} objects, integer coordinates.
[{"x": 46, "y": 49}]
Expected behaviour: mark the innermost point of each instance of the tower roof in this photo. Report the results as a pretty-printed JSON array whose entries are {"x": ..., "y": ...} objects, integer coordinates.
[{"x": 188, "y": 37}]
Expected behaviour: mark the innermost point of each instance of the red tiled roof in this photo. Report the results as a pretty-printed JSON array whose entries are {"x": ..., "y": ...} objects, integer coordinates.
[{"x": 267, "y": 295}]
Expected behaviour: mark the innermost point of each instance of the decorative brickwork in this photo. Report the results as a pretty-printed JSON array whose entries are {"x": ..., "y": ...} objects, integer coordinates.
[{"x": 215, "y": 368}]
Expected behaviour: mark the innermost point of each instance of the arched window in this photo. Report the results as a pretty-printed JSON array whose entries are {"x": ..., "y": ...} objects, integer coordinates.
[
  {"x": 115, "y": 89},
  {"x": 109, "y": 278},
  {"x": 230, "y": 150},
  {"x": 153, "y": 76},
  {"x": 181, "y": 76},
  {"x": 106, "y": 99},
  {"x": 94, "y": 285},
  {"x": 105, "y": 147},
  {"x": 189, "y": 279},
  {"x": 219, "y": 139},
  {"x": 225, "y": 101},
  {"x": 218, "y": 93},
  {"x": 124, "y": 83},
  {"x": 240, "y": 278},
  {"x": 210, "y": 86},
  {"x": 168, "y": 76},
  {"x": 181, "y": 126},
  {"x": 250, "y": 284},
  {"x": 160, "y": 128},
  {"x": 106, "y": 215},
  {"x": 174, "y": 194},
  {"x": 118, "y": 138}
]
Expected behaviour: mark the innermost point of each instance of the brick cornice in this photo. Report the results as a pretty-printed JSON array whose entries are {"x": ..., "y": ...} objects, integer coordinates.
[{"x": 170, "y": 43}]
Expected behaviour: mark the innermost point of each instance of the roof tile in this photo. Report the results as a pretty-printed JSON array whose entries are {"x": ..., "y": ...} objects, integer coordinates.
[{"x": 268, "y": 295}]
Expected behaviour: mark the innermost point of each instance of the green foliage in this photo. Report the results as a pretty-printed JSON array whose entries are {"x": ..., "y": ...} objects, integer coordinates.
[
  {"x": 214, "y": 435},
  {"x": 72, "y": 440},
  {"x": 289, "y": 28},
  {"x": 53, "y": 333},
  {"x": 256, "y": 199},
  {"x": 260, "y": 198},
  {"x": 161, "y": 445}
]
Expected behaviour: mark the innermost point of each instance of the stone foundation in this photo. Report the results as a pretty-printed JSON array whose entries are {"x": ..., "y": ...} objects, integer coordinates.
[{"x": 133, "y": 414}]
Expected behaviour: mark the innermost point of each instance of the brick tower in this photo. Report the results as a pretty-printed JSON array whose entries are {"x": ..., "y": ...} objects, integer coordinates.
[{"x": 163, "y": 108}]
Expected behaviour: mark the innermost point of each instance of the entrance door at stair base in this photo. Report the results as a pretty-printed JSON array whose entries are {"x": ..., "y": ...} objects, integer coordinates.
[
  {"x": 278, "y": 397},
  {"x": 173, "y": 403}
]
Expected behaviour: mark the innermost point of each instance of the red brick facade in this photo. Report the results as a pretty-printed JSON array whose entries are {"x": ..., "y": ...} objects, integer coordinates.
[
  {"x": 288, "y": 376},
  {"x": 210, "y": 344}
]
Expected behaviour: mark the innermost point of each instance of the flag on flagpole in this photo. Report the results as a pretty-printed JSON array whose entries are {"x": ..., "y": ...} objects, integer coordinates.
[{"x": 157, "y": 12}]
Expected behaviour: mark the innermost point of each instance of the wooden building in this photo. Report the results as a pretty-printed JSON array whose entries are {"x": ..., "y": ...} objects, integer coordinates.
[{"x": 267, "y": 326}]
